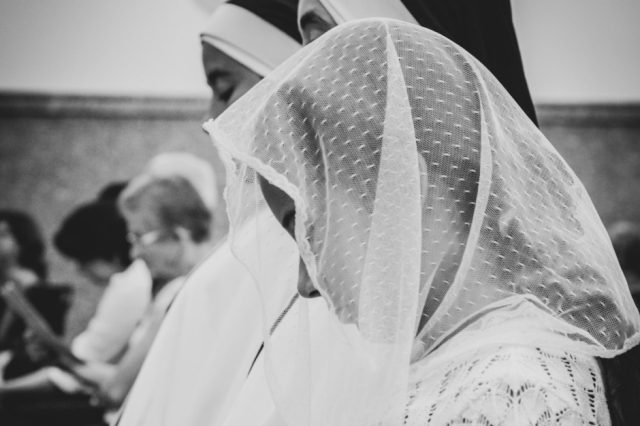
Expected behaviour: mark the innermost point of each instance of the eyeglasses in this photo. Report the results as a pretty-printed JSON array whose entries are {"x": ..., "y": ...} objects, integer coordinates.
[{"x": 145, "y": 239}]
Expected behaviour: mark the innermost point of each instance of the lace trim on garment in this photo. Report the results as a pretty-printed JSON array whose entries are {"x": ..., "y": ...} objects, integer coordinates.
[{"x": 511, "y": 386}]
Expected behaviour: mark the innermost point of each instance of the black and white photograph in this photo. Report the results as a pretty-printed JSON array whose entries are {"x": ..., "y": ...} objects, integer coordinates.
[{"x": 319, "y": 213}]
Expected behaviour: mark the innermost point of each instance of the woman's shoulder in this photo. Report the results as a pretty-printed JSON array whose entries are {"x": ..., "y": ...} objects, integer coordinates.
[
  {"x": 26, "y": 278},
  {"x": 509, "y": 385}
]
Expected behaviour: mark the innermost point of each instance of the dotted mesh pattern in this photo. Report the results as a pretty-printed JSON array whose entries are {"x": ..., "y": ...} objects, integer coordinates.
[{"x": 424, "y": 199}]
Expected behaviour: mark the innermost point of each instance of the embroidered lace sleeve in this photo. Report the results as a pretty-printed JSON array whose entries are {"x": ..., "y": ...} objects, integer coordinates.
[{"x": 511, "y": 386}]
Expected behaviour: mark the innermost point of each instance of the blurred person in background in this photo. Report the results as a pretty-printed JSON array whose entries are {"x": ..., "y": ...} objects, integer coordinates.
[
  {"x": 170, "y": 230},
  {"x": 22, "y": 261},
  {"x": 110, "y": 192},
  {"x": 22, "y": 249},
  {"x": 198, "y": 172},
  {"x": 169, "y": 226},
  {"x": 94, "y": 238},
  {"x": 101, "y": 250}
]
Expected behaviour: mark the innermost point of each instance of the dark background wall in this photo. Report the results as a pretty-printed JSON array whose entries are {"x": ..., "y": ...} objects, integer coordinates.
[
  {"x": 602, "y": 145},
  {"x": 58, "y": 151}
]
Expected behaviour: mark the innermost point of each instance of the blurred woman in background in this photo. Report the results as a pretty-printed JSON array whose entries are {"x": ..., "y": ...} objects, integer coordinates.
[
  {"x": 170, "y": 230},
  {"x": 166, "y": 228},
  {"x": 22, "y": 261},
  {"x": 94, "y": 237},
  {"x": 22, "y": 249}
]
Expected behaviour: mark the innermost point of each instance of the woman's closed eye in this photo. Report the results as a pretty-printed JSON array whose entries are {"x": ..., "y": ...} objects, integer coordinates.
[
  {"x": 224, "y": 95},
  {"x": 222, "y": 85}
]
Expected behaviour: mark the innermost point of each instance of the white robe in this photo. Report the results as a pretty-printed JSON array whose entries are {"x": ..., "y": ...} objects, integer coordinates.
[
  {"x": 119, "y": 311},
  {"x": 199, "y": 362}
]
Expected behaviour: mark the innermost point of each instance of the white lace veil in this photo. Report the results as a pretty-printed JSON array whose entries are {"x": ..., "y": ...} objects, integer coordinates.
[{"x": 424, "y": 198}]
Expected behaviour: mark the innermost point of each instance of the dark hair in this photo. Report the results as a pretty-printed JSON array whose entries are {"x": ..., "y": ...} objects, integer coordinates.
[
  {"x": 111, "y": 191},
  {"x": 94, "y": 231},
  {"x": 175, "y": 202},
  {"x": 29, "y": 239}
]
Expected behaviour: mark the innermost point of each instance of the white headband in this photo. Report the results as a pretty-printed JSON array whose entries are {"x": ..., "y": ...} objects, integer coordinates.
[{"x": 248, "y": 39}]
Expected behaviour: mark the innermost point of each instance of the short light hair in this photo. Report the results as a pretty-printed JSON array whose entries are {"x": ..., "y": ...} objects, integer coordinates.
[
  {"x": 197, "y": 171},
  {"x": 173, "y": 200}
]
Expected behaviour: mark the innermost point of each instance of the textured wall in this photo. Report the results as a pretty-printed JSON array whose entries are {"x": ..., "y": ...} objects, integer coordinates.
[
  {"x": 58, "y": 152},
  {"x": 607, "y": 160},
  {"x": 573, "y": 50},
  {"x": 602, "y": 145}
]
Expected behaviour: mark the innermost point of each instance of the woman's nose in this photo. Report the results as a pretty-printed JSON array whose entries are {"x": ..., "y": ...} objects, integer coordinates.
[
  {"x": 135, "y": 251},
  {"x": 305, "y": 286}
]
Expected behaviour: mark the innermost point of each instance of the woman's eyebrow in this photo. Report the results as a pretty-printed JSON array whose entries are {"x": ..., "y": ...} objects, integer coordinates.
[{"x": 215, "y": 75}]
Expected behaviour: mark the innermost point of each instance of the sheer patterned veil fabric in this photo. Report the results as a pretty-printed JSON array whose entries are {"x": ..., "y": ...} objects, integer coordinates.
[{"x": 425, "y": 199}]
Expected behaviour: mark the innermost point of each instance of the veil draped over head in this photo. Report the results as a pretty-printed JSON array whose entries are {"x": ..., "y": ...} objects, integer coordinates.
[
  {"x": 484, "y": 29},
  {"x": 425, "y": 200}
]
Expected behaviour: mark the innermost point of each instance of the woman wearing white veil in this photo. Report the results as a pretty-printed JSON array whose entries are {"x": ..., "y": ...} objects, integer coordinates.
[
  {"x": 181, "y": 355},
  {"x": 472, "y": 276}
]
